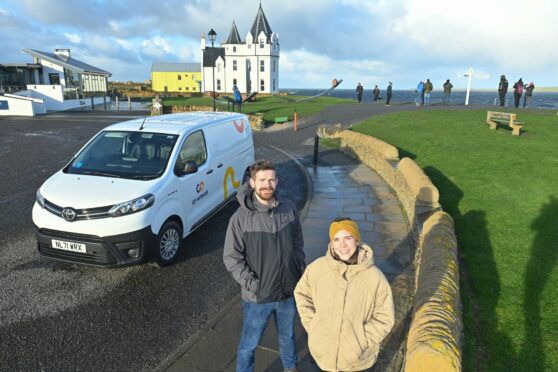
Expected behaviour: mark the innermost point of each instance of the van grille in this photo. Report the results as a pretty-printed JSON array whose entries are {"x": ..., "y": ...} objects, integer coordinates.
[
  {"x": 81, "y": 214},
  {"x": 97, "y": 252}
]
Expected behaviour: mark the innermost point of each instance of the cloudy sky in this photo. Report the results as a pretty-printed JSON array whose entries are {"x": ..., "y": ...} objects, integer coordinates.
[{"x": 371, "y": 41}]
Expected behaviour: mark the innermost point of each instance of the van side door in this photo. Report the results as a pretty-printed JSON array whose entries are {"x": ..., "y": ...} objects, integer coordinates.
[{"x": 192, "y": 187}]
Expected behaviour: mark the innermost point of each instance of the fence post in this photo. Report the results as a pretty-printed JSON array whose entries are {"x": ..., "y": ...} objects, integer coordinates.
[
  {"x": 316, "y": 143},
  {"x": 117, "y": 104},
  {"x": 295, "y": 121},
  {"x": 129, "y": 103}
]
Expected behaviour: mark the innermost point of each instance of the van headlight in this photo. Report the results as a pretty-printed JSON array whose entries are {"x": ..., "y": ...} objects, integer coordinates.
[
  {"x": 132, "y": 206},
  {"x": 40, "y": 199}
]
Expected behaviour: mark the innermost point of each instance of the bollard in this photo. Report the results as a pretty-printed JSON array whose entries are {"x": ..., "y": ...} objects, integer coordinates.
[
  {"x": 117, "y": 104},
  {"x": 105, "y": 101},
  {"x": 92, "y": 103},
  {"x": 316, "y": 143},
  {"x": 129, "y": 103},
  {"x": 295, "y": 121}
]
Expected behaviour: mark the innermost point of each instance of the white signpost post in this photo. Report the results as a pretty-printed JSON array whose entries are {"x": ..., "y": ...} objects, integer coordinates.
[{"x": 469, "y": 75}]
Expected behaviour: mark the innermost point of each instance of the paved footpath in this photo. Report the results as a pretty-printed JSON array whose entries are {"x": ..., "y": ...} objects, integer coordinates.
[{"x": 339, "y": 186}]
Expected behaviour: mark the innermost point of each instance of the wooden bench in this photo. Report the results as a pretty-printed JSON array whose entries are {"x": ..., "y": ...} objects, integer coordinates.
[
  {"x": 281, "y": 119},
  {"x": 493, "y": 118}
]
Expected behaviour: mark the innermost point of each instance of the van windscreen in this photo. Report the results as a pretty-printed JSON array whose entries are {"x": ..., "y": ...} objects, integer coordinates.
[{"x": 136, "y": 155}]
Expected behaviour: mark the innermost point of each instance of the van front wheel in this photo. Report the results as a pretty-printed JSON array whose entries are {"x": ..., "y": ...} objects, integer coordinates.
[{"x": 168, "y": 243}]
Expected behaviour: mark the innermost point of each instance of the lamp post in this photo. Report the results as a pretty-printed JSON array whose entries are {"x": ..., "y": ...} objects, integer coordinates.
[{"x": 212, "y": 36}]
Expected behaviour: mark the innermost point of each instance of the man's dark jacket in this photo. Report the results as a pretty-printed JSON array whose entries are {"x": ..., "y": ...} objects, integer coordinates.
[{"x": 264, "y": 249}]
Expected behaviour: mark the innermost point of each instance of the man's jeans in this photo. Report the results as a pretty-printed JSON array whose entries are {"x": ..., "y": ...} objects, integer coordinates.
[
  {"x": 426, "y": 99},
  {"x": 255, "y": 320}
]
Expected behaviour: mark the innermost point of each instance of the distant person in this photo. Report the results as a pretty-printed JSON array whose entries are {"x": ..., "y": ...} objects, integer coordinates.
[
  {"x": 359, "y": 91},
  {"x": 264, "y": 252},
  {"x": 389, "y": 91},
  {"x": 447, "y": 91},
  {"x": 528, "y": 95},
  {"x": 345, "y": 302},
  {"x": 503, "y": 90},
  {"x": 376, "y": 93},
  {"x": 427, "y": 89},
  {"x": 419, "y": 100},
  {"x": 517, "y": 92},
  {"x": 237, "y": 98}
]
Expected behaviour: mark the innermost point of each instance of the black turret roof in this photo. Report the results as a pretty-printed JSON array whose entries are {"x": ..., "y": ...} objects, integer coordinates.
[
  {"x": 260, "y": 24},
  {"x": 234, "y": 36}
]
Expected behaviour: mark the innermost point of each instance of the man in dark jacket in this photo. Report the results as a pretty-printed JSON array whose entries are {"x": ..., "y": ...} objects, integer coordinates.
[
  {"x": 264, "y": 253},
  {"x": 389, "y": 91},
  {"x": 502, "y": 90},
  {"x": 359, "y": 90},
  {"x": 447, "y": 91}
]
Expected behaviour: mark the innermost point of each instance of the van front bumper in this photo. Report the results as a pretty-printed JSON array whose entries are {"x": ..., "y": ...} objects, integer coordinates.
[{"x": 108, "y": 251}]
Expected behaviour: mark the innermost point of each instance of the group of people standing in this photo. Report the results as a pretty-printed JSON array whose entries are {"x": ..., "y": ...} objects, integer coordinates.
[
  {"x": 519, "y": 89},
  {"x": 375, "y": 93},
  {"x": 344, "y": 301}
]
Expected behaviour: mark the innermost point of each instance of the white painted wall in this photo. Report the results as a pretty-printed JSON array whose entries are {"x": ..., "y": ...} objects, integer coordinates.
[{"x": 22, "y": 106}]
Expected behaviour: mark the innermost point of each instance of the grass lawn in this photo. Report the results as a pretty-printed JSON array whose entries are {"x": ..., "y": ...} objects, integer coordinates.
[
  {"x": 502, "y": 191},
  {"x": 271, "y": 107}
]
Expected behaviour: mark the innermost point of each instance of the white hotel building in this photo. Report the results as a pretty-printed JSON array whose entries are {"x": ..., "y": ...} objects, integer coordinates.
[{"x": 252, "y": 65}]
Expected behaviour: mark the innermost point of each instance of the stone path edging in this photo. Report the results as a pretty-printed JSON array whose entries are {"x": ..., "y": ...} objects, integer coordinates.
[{"x": 434, "y": 339}]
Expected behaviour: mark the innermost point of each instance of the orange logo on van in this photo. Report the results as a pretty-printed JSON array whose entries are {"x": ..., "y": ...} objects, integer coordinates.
[
  {"x": 229, "y": 173},
  {"x": 239, "y": 128}
]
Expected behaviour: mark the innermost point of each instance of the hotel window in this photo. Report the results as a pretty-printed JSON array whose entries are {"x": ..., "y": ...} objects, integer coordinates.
[
  {"x": 234, "y": 64},
  {"x": 274, "y": 66},
  {"x": 218, "y": 84},
  {"x": 234, "y": 82},
  {"x": 54, "y": 79},
  {"x": 187, "y": 88},
  {"x": 249, "y": 46},
  {"x": 261, "y": 43},
  {"x": 179, "y": 77},
  {"x": 234, "y": 49},
  {"x": 179, "y": 88},
  {"x": 262, "y": 66},
  {"x": 262, "y": 85}
]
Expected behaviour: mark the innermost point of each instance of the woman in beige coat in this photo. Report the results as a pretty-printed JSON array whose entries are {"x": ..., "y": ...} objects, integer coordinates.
[{"x": 345, "y": 303}]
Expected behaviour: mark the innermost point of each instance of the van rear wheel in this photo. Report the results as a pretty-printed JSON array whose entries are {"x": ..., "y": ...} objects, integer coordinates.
[{"x": 169, "y": 240}]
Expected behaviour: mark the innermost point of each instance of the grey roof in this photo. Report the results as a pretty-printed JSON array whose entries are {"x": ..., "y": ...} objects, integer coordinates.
[
  {"x": 234, "y": 37},
  {"x": 69, "y": 63},
  {"x": 175, "y": 67},
  {"x": 218, "y": 52},
  {"x": 260, "y": 24}
]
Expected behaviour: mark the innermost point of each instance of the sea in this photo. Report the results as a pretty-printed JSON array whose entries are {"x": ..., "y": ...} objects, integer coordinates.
[{"x": 547, "y": 100}]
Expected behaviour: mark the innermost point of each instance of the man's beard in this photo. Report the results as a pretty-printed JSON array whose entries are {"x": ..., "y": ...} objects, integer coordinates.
[{"x": 266, "y": 197}]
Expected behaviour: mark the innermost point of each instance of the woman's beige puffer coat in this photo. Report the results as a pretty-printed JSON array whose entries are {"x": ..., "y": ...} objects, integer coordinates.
[{"x": 347, "y": 311}]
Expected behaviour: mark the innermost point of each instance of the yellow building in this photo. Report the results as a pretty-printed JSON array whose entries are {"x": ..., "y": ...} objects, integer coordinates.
[{"x": 176, "y": 77}]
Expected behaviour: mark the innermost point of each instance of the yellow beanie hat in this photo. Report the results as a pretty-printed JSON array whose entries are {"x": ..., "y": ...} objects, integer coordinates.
[{"x": 348, "y": 225}]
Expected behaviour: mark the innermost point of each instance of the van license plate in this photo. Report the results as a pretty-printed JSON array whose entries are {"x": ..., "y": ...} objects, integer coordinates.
[{"x": 69, "y": 246}]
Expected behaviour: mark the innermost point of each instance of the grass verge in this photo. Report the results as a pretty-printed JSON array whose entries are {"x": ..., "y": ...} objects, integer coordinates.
[
  {"x": 270, "y": 106},
  {"x": 501, "y": 190}
]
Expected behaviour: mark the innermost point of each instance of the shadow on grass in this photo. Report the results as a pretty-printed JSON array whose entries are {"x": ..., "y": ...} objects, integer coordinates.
[
  {"x": 544, "y": 256},
  {"x": 480, "y": 282}
]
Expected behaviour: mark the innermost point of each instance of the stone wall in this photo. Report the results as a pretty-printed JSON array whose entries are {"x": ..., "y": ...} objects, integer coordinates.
[{"x": 434, "y": 338}]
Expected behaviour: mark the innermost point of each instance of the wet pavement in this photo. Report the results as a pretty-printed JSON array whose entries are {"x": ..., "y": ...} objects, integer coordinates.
[{"x": 338, "y": 187}]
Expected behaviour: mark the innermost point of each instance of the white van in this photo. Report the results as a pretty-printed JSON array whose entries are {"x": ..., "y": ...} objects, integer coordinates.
[{"x": 137, "y": 188}]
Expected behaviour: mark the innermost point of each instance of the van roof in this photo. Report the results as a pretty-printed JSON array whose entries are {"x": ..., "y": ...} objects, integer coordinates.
[{"x": 175, "y": 123}]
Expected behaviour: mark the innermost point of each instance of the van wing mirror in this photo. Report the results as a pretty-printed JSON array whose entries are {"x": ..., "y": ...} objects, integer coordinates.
[{"x": 189, "y": 167}]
